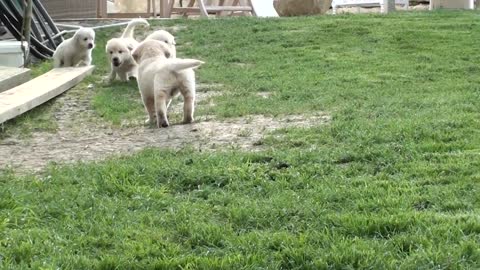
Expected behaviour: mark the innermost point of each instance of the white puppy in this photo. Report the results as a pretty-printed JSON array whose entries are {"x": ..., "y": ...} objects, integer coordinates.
[
  {"x": 167, "y": 38},
  {"x": 160, "y": 78},
  {"x": 75, "y": 51},
  {"x": 119, "y": 51}
]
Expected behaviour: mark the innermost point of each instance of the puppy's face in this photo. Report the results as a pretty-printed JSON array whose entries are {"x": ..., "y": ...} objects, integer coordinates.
[
  {"x": 85, "y": 38},
  {"x": 167, "y": 38},
  {"x": 150, "y": 49},
  {"x": 118, "y": 51},
  {"x": 163, "y": 36}
]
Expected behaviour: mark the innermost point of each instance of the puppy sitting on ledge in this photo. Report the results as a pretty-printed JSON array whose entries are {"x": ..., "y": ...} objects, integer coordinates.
[{"x": 160, "y": 78}]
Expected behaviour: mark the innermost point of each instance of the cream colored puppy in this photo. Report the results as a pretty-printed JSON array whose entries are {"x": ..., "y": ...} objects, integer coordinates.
[
  {"x": 119, "y": 51},
  {"x": 167, "y": 38},
  {"x": 160, "y": 78},
  {"x": 75, "y": 51}
]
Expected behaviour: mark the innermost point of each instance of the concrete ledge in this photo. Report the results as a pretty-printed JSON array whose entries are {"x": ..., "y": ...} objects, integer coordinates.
[
  {"x": 35, "y": 92},
  {"x": 11, "y": 77}
]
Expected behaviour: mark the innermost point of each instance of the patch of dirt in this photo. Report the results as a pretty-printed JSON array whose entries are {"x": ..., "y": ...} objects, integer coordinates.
[
  {"x": 265, "y": 95},
  {"x": 243, "y": 65},
  {"x": 83, "y": 136},
  {"x": 176, "y": 28},
  {"x": 184, "y": 45},
  {"x": 87, "y": 144}
]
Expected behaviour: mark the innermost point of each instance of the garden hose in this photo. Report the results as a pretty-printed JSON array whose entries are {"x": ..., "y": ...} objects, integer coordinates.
[
  {"x": 14, "y": 27},
  {"x": 44, "y": 36}
]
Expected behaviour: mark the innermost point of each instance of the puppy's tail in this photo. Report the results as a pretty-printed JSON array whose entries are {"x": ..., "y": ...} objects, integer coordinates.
[
  {"x": 128, "y": 33},
  {"x": 176, "y": 65}
]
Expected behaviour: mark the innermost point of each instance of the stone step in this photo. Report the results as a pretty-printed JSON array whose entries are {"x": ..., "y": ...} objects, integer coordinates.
[
  {"x": 11, "y": 77},
  {"x": 35, "y": 92}
]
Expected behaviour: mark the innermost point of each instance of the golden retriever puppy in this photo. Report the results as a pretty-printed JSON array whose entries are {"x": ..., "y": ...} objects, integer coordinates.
[
  {"x": 160, "y": 78},
  {"x": 119, "y": 51},
  {"x": 167, "y": 38},
  {"x": 75, "y": 51}
]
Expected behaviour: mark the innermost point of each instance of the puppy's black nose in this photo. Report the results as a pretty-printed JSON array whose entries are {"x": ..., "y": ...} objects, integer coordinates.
[
  {"x": 90, "y": 45},
  {"x": 116, "y": 61}
]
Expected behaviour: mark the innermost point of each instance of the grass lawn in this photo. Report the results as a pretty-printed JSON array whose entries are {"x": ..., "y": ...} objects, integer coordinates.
[{"x": 392, "y": 182}]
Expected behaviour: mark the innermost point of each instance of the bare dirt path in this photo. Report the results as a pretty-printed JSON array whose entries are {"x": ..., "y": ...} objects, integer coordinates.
[{"x": 81, "y": 136}]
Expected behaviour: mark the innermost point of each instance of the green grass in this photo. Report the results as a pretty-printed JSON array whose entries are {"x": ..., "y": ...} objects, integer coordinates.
[
  {"x": 391, "y": 183},
  {"x": 41, "y": 119}
]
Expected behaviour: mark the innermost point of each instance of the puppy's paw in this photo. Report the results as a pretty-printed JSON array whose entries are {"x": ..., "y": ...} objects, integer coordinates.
[
  {"x": 187, "y": 120},
  {"x": 162, "y": 124}
]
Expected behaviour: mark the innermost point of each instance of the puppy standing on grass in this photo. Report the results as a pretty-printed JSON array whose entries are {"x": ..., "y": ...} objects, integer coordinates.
[
  {"x": 160, "y": 78},
  {"x": 75, "y": 51},
  {"x": 167, "y": 38},
  {"x": 119, "y": 51}
]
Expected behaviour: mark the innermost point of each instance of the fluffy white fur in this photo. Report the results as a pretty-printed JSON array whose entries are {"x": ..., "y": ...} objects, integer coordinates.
[
  {"x": 75, "y": 51},
  {"x": 161, "y": 78},
  {"x": 167, "y": 38},
  {"x": 119, "y": 51}
]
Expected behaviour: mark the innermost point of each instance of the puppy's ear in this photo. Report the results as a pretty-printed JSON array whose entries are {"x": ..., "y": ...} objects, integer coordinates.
[
  {"x": 79, "y": 33},
  {"x": 136, "y": 55},
  {"x": 76, "y": 36}
]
